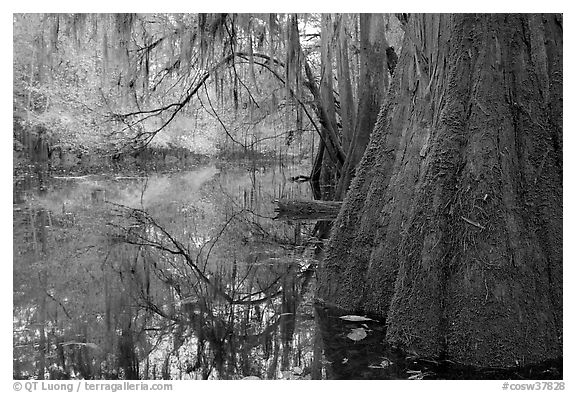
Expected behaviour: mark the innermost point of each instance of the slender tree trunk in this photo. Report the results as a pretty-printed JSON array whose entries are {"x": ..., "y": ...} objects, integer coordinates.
[
  {"x": 328, "y": 134},
  {"x": 347, "y": 107},
  {"x": 330, "y": 169},
  {"x": 316, "y": 171},
  {"x": 326, "y": 75},
  {"x": 452, "y": 229}
]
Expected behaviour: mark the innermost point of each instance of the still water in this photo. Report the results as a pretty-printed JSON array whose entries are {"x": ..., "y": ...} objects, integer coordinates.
[{"x": 186, "y": 275}]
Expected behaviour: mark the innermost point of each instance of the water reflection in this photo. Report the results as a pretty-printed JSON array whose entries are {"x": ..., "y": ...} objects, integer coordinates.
[
  {"x": 176, "y": 275},
  {"x": 186, "y": 276}
]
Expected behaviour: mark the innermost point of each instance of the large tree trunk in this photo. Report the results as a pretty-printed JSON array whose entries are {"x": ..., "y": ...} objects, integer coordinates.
[{"x": 452, "y": 229}]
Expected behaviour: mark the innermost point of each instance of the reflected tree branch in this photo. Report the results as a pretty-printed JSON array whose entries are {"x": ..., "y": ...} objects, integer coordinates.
[{"x": 136, "y": 235}]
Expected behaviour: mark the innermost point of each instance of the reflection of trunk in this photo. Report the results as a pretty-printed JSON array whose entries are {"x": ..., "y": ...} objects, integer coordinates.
[
  {"x": 42, "y": 344},
  {"x": 285, "y": 359},
  {"x": 166, "y": 367},
  {"x": 288, "y": 318},
  {"x": 41, "y": 147},
  {"x": 82, "y": 361},
  {"x": 61, "y": 356},
  {"x": 109, "y": 335},
  {"x": 271, "y": 374},
  {"x": 245, "y": 351},
  {"x": 316, "y": 369},
  {"x": 127, "y": 358},
  {"x": 293, "y": 209},
  {"x": 452, "y": 229}
]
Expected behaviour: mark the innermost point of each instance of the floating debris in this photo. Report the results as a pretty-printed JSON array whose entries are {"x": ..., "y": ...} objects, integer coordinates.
[
  {"x": 356, "y": 318},
  {"x": 383, "y": 364},
  {"x": 357, "y": 334}
]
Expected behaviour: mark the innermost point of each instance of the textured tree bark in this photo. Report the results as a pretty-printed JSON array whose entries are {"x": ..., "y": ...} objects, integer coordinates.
[{"x": 452, "y": 229}]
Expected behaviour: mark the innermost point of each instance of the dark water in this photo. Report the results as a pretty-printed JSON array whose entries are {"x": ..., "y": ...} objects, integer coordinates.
[{"x": 186, "y": 275}]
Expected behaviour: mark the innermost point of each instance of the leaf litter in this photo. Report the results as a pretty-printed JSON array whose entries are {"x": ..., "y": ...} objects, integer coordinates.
[{"x": 357, "y": 334}]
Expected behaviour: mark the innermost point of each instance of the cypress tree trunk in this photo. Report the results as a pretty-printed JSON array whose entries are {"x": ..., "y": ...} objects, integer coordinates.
[
  {"x": 372, "y": 88},
  {"x": 452, "y": 229}
]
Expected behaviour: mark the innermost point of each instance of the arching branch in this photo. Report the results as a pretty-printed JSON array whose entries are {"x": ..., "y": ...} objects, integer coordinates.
[{"x": 330, "y": 138}]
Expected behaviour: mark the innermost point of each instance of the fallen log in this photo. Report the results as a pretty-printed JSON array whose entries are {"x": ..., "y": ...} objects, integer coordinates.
[{"x": 299, "y": 210}]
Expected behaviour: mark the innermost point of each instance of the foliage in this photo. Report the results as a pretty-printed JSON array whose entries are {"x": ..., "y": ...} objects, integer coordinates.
[
  {"x": 205, "y": 82},
  {"x": 78, "y": 76}
]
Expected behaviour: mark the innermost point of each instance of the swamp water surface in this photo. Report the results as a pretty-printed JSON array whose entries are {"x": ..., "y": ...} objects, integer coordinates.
[{"x": 187, "y": 275}]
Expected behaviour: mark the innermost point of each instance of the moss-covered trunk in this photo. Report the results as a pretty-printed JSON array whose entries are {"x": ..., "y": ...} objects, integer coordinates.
[{"x": 452, "y": 229}]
